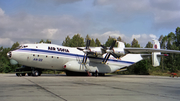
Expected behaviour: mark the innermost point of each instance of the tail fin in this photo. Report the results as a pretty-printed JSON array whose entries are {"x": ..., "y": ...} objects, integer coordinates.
[{"x": 155, "y": 59}]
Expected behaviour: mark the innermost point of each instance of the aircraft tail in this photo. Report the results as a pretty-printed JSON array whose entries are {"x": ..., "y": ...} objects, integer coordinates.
[{"x": 156, "y": 55}]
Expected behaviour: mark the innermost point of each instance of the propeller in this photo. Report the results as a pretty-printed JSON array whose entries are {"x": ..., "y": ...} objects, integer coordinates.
[
  {"x": 86, "y": 51},
  {"x": 109, "y": 51}
]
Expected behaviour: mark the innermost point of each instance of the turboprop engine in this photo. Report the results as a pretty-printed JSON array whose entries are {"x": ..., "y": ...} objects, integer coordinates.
[{"x": 92, "y": 67}]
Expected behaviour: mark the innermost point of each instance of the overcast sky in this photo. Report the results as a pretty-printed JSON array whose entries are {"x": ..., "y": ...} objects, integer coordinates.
[{"x": 29, "y": 21}]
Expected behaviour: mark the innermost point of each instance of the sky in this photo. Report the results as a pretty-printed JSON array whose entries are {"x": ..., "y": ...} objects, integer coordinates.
[{"x": 29, "y": 21}]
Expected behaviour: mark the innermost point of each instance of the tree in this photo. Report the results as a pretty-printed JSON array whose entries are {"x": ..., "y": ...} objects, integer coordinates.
[
  {"x": 67, "y": 42},
  {"x": 48, "y": 41},
  {"x": 98, "y": 43},
  {"x": 127, "y": 45},
  {"x": 87, "y": 38},
  {"x": 77, "y": 41},
  {"x": 163, "y": 42},
  {"x": 177, "y": 40},
  {"x": 119, "y": 39},
  {"x": 93, "y": 44},
  {"x": 110, "y": 41},
  {"x": 171, "y": 42},
  {"x": 42, "y": 41},
  {"x": 135, "y": 43},
  {"x": 149, "y": 45},
  {"x": 14, "y": 46}
]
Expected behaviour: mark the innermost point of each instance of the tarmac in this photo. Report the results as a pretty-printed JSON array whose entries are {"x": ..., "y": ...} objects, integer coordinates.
[{"x": 52, "y": 87}]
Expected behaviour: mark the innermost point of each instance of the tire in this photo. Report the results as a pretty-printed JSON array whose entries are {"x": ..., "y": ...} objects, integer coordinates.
[
  {"x": 23, "y": 74},
  {"x": 17, "y": 74},
  {"x": 39, "y": 74},
  {"x": 101, "y": 74},
  {"x": 70, "y": 73},
  {"x": 93, "y": 74},
  {"x": 35, "y": 73},
  {"x": 29, "y": 74}
]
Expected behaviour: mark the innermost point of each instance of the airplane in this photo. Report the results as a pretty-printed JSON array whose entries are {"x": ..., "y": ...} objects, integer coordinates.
[{"x": 81, "y": 60}]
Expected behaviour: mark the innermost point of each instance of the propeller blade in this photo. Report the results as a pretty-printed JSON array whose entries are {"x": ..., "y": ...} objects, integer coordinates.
[
  {"x": 112, "y": 45},
  {"x": 109, "y": 52},
  {"x": 114, "y": 55},
  {"x": 85, "y": 58},
  {"x": 80, "y": 49},
  {"x": 104, "y": 47},
  {"x": 88, "y": 43},
  {"x": 91, "y": 52},
  {"x": 107, "y": 58}
]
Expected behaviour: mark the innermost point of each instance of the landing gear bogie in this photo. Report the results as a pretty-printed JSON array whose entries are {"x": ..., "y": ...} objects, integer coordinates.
[{"x": 20, "y": 74}]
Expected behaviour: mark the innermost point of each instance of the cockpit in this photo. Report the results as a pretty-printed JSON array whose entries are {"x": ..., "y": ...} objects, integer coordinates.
[
  {"x": 21, "y": 46},
  {"x": 9, "y": 54}
]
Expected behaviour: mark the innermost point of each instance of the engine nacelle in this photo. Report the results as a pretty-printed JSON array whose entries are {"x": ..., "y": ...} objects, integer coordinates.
[
  {"x": 76, "y": 66},
  {"x": 119, "y": 52}
]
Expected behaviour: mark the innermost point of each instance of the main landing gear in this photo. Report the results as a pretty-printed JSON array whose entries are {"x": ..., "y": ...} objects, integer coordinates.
[
  {"x": 29, "y": 71},
  {"x": 70, "y": 73}
]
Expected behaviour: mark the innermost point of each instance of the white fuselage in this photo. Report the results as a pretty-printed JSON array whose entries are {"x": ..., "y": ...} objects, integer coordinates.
[{"x": 50, "y": 56}]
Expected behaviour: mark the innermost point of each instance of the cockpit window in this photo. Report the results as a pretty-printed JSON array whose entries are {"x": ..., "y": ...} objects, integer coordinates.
[
  {"x": 25, "y": 46},
  {"x": 20, "y": 47}
]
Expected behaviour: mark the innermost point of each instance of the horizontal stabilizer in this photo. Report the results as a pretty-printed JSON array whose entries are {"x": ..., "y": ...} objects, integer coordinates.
[{"x": 150, "y": 50}]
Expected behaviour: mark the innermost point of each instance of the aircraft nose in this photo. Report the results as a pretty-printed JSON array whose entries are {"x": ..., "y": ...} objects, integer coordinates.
[{"x": 9, "y": 54}]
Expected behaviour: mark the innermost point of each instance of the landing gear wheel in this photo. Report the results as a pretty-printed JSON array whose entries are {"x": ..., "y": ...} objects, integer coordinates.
[
  {"x": 101, "y": 74},
  {"x": 29, "y": 74},
  {"x": 17, "y": 74},
  {"x": 35, "y": 73},
  {"x": 40, "y": 72},
  {"x": 23, "y": 74}
]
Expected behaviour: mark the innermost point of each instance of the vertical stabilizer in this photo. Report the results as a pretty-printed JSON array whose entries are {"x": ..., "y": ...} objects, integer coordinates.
[{"x": 155, "y": 59}]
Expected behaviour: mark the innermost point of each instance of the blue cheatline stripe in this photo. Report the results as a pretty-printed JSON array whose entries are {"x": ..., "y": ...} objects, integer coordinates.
[{"x": 70, "y": 54}]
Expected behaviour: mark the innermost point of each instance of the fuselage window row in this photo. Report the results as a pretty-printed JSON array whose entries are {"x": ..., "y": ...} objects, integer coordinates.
[{"x": 46, "y": 56}]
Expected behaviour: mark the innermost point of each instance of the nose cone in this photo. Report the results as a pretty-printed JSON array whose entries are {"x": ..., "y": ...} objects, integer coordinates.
[
  {"x": 12, "y": 61},
  {"x": 9, "y": 54}
]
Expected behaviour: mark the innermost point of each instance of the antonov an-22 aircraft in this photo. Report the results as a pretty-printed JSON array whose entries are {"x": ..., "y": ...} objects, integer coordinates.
[{"x": 78, "y": 61}]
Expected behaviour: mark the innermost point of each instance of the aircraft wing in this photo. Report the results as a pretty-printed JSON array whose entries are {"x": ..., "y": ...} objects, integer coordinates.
[{"x": 150, "y": 50}]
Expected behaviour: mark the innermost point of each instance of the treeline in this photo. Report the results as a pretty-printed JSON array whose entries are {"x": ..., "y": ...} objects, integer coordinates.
[
  {"x": 170, "y": 63},
  {"x": 78, "y": 41}
]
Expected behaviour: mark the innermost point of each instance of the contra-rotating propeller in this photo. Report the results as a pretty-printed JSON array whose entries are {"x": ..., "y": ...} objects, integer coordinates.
[
  {"x": 86, "y": 51},
  {"x": 109, "y": 51}
]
